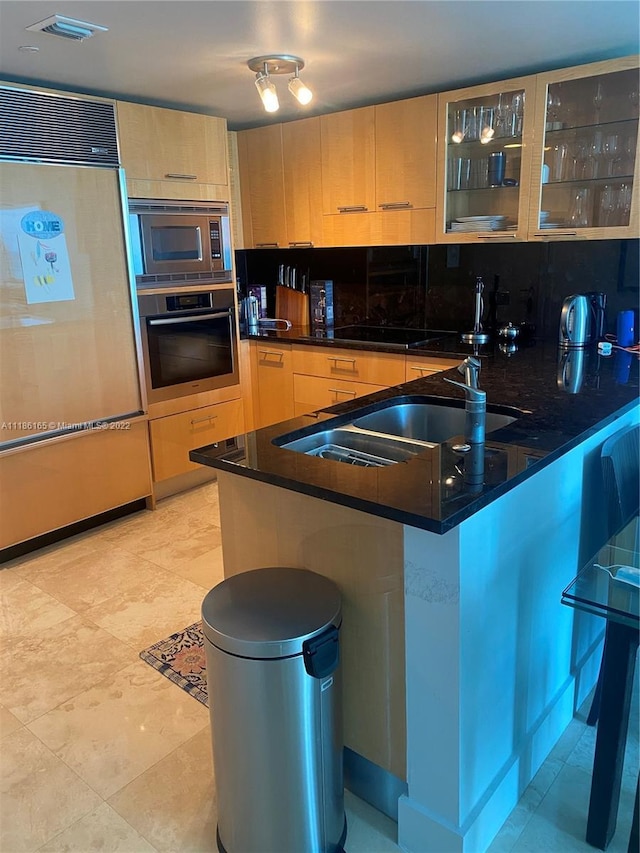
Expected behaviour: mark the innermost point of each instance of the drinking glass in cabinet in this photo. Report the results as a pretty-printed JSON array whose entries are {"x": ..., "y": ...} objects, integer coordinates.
[
  {"x": 614, "y": 206},
  {"x": 628, "y": 157},
  {"x": 580, "y": 211},
  {"x": 597, "y": 99},
  {"x": 606, "y": 206},
  {"x": 560, "y": 161}
]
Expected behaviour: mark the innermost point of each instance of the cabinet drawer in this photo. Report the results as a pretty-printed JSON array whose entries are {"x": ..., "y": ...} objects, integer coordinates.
[
  {"x": 316, "y": 392},
  {"x": 378, "y": 368},
  {"x": 418, "y": 367},
  {"x": 173, "y": 437}
]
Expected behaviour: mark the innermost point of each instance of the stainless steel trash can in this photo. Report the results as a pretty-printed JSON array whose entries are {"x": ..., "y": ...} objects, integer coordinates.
[{"x": 272, "y": 648}]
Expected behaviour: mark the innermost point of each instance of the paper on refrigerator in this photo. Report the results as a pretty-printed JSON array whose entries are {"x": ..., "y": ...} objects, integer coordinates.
[{"x": 45, "y": 258}]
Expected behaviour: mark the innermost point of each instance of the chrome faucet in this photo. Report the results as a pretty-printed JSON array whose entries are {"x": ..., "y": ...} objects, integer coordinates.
[
  {"x": 475, "y": 401},
  {"x": 470, "y": 369}
]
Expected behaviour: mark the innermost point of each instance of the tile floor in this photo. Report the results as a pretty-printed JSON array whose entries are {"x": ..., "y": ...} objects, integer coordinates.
[{"x": 99, "y": 752}]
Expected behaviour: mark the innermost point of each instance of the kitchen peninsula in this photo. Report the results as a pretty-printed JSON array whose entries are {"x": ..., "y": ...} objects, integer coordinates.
[{"x": 461, "y": 669}]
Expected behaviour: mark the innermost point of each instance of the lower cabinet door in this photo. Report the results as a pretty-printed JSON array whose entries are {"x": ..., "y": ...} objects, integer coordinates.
[
  {"x": 317, "y": 392},
  {"x": 273, "y": 383},
  {"x": 416, "y": 368},
  {"x": 173, "y": 437}
]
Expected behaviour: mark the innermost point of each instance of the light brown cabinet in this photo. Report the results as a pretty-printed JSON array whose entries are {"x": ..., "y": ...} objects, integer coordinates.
[
  {"x": 302, "y": 182},
  {"x": 272, "y": 381},
  {"x": 358, "y": 177},
  {"x": 348, "y": 161},
  {"x": 174, "y": 436},
  {"x": 416, "y": 367},
  {"x": 291, "y": 380},
  {"x": 262, "y": 187},
  {"x": 485, "y": 136},
  {"x": 379, "y": 368},
  {"x": 280, "y": 184},
  {"x": 52, "y": 484},
  {"x": 546, "y": 157},
  {"x": 585, "y": 153},
  {"x": 405, "y": 153},
  {"x": 470, "y": 165},
  {"x": 171, "y": 153},
  {"x": 317, "y": 392},
  {"x": 378, "y": 174}
]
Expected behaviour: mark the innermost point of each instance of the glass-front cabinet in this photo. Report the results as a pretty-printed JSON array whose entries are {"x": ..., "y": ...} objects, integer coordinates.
[
  {"x": 485, "y": 136},
  {"x": 585, "y": 152}
]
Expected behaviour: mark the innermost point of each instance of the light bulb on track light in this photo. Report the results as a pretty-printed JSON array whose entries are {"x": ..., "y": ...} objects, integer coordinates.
[
  {"x": 299, "y": 91},
  {"x": 267, "y": 92}
]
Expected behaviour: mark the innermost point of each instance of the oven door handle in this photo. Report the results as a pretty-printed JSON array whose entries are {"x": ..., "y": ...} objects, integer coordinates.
[{"x": 173, "y": 320}]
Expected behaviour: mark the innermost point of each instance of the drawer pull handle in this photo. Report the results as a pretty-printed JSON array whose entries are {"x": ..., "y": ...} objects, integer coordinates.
[
  {"x": 267, "y": 245},
  {"x": 353, "y": 208},
  {"x": 307, "y": 244},
  {"x": 499, "y": 236},
  {"x": 180, "y": 177},
  {"x": 395, "y": 205},
  {"x": 267, "y": 352},
  {"x": 423, "y": 370},
  {"x": 341, "y": 358},
  {"x": 343, "y": 391},
  {"x": 202, "y": 420},
  {"x": 555, "y": 234}
]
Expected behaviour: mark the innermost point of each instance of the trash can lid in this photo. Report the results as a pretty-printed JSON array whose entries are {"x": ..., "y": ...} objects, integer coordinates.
[{"x": 269, "y": 613}]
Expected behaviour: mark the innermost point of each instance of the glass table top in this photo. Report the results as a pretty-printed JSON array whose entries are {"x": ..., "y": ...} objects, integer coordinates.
[{"x": 609, "y": 584}]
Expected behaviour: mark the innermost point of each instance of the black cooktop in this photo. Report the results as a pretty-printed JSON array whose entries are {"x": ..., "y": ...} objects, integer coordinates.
[{"x": 401, "y": 338}]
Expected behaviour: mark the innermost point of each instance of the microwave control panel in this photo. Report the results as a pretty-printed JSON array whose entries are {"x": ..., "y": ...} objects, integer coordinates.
[{"x": 216, "y": 240}]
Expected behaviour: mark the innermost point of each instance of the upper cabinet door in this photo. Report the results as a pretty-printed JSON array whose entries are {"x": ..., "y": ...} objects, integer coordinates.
[
  {"x": 405, "y": 139},
  {"x": 484, "y": 162},
  {"x": 262, "y": 186},
  {"x": 302, "y": 181},
  {"x": 157, "y": 144},
  {"x": 585, "y": 152},
  {"x": 348, "y": 161}
]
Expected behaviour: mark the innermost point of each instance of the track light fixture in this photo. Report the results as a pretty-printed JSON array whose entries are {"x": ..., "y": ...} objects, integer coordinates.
[{"x": 265, "y": 66}]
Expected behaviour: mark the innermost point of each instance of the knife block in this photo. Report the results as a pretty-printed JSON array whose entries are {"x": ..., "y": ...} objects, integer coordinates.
[{"x": 292, "y": 305}]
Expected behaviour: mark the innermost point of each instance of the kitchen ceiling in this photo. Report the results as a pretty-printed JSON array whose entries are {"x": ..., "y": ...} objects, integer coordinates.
[{"x": 193, "y": 54}]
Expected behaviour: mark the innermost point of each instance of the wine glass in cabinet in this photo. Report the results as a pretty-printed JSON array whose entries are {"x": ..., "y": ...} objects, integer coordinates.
[
  {"x": 484, "y": 155},
  {"x": 585, "y": 152}
]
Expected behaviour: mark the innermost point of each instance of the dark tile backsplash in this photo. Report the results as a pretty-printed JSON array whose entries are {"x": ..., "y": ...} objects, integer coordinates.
[{"x": 432, "y": 287}]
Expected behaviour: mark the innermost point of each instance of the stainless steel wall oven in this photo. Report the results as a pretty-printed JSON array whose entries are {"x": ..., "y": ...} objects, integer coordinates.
[{"x": 188, "y": 342}]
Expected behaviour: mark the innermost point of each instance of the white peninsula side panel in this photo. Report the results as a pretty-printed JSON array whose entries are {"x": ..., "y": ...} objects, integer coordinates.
[{"x": 496, "y": 665}]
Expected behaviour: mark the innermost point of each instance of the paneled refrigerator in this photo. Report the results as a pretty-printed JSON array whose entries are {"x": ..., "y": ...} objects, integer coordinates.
[{"x": 69, "y": 364}]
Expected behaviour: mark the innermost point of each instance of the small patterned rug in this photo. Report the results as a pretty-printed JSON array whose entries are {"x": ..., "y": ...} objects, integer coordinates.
[{"x": 181, "y": 658}]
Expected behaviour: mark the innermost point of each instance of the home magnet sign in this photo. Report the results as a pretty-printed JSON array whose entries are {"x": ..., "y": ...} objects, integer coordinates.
[{"x": 45, "y": 258}]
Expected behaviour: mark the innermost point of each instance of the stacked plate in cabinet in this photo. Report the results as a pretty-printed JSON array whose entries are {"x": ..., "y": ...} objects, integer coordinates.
[
  {"x": 545, "y": 222},
  {"x": 479, "y": 223}
]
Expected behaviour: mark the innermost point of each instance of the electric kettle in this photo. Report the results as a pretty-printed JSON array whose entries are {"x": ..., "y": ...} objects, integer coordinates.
[{"x": 575, "y": 322}]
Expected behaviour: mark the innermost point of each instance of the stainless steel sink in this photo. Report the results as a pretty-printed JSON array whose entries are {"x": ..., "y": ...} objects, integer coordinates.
[
  {"x": 356, "y": 447},
  {"x": 425, "y": 421},
  {"x": 392, "y": 431}
]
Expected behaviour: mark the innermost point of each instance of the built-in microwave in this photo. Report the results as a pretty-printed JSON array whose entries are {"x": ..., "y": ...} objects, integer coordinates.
[{"x": 175, "y": 242}]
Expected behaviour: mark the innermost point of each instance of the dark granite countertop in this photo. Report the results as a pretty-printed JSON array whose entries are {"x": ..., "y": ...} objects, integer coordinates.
[
  {"x": 440, "y": 343},
  {"x": 429, "y": 491}
]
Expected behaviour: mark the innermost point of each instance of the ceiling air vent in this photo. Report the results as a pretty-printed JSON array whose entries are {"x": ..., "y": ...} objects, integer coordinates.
[{"x": 68, "y": 28}]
